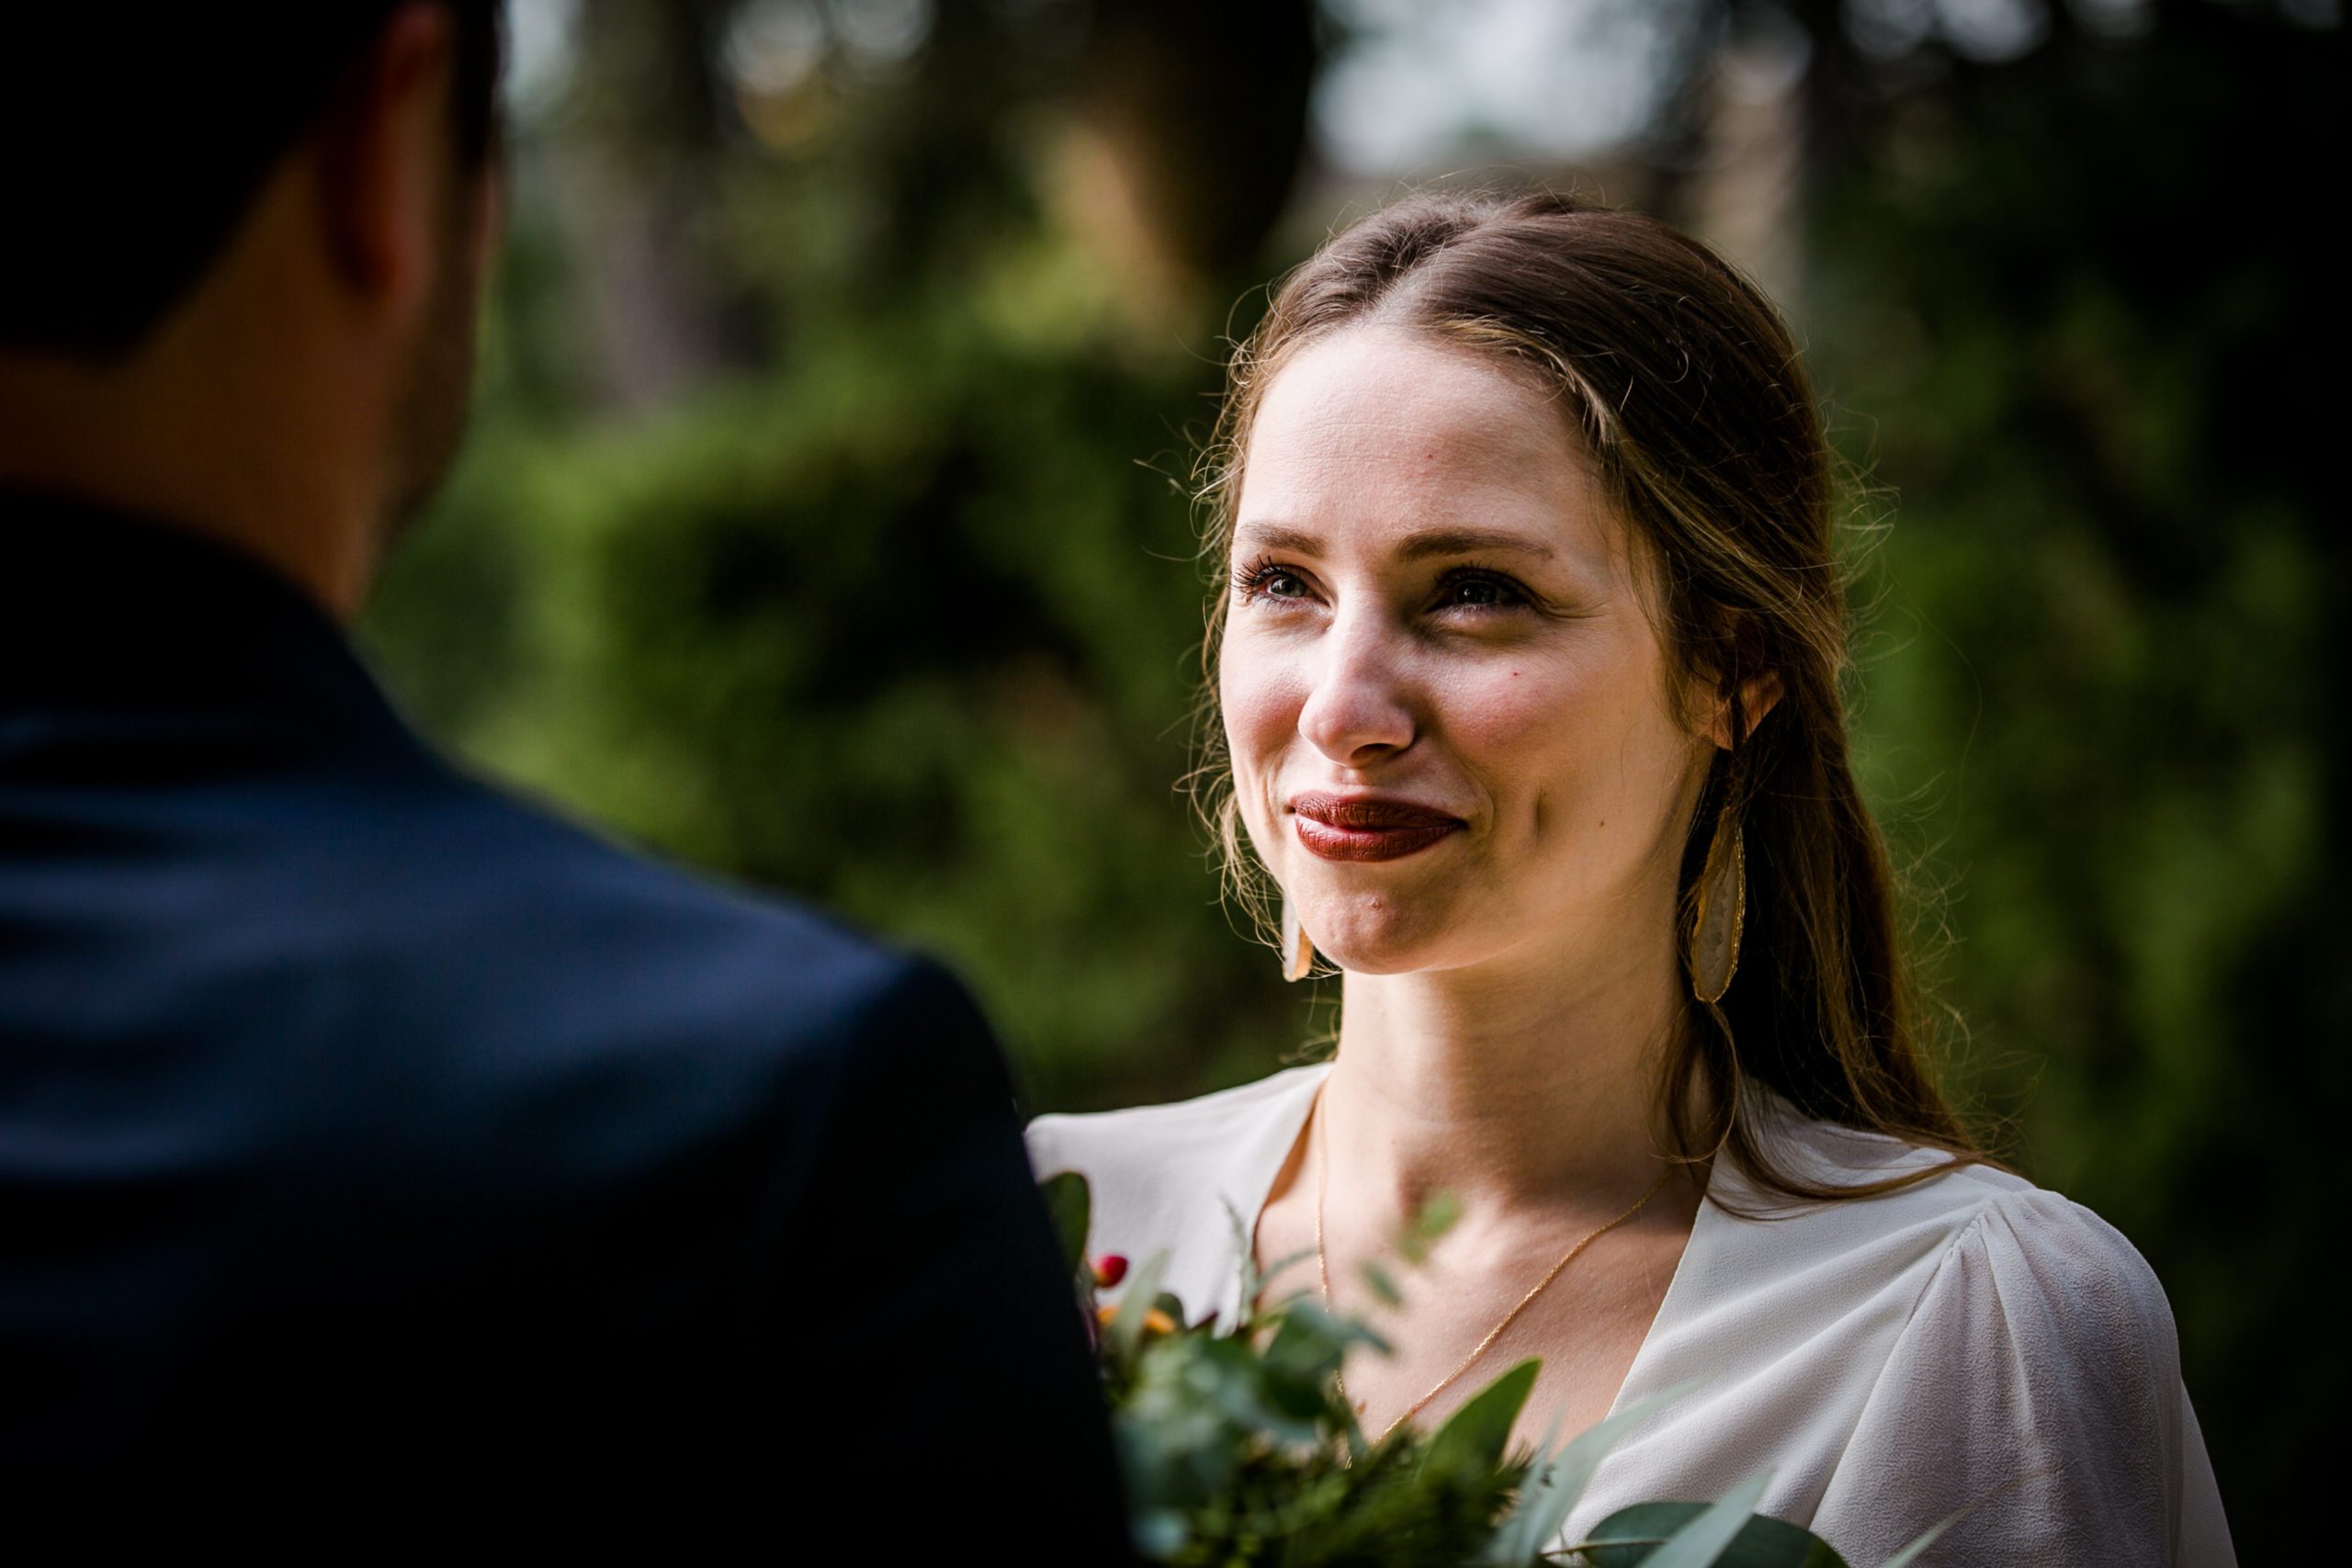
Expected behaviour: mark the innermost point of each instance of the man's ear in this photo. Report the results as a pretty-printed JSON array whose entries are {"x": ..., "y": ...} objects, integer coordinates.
[
  {"x": 387, "y": 160},
  {"x": 1758, "y": 696}
]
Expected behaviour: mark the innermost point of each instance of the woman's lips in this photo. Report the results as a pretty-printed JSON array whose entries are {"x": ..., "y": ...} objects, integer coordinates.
[{"x": 1366, "y": 828}]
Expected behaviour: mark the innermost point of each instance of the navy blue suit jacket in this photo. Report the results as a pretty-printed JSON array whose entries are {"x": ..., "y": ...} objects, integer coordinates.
[{"x": 366, "y": 1134}]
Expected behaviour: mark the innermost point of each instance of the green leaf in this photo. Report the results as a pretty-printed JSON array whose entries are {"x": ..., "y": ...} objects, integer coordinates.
[
  {"x": 1631, "y": 1535},
  {"x": 1289, "y": 1260},
  {"x": 1306, "y": 1349},
  {"x": 1376, "y": 1280},
  {"x": 1727, "y": 1534},
  {"x": 1437, "y": 1216},
  {"x": 1253, "y": 1282},
  {"x": 1071, "y": 1204},
  {"x": 1910, "y": 1552},
  {"x": 1126, "y": 1331},
  {"x": 1159, "y": 1533},
  {"x": 1704, "y": 1540},
  {"x": 1546, "y": 1502},
  {"x": 1475, "y": 1437},
  {"x": 1311, "y": 1340}
]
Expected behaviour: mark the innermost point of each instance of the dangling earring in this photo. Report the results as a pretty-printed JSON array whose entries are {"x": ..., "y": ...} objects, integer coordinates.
[
  {"x": 1298, "y": 948},
  {"x": 1722, "y": 913}
]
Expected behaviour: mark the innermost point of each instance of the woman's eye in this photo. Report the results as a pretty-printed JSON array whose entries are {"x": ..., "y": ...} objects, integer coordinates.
[
  {"x": 1266, "y": 581},
  {"x": 1478, "y": 593}
]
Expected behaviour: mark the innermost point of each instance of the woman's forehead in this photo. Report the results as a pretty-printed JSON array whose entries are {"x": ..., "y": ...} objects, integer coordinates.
[{"x": 1378, "y": 437}]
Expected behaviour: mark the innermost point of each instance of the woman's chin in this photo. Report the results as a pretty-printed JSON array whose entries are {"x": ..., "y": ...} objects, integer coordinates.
[{"x": 1384, "y": 942}]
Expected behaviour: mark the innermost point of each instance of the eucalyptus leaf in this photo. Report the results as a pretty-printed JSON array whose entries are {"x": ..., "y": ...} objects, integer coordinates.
[
  {"x": 1245, "y": 1252},
  {"x": 1477, "y": 1434},
  {"x": 1126, "y": 1331},
  {"x": 1436, "y": 1217},
  {"x": 1633, "y": 1535},
  {"x": 1159, "y": 1533},
  {"x": 1310, "y": 1337},
  {"x": 1071, "y": 1204},
  {"x": 1296, "y": 1399},
  {"x": 1290, "y": 1261},
  {"x": 1911, "y": 1552},
  {"x": 1703, "y": 1541},
  {"x": 1229, "y": 1375},
  {"x": 1376, "y": 1280},
  {"x": 1546, "y": 1502}
]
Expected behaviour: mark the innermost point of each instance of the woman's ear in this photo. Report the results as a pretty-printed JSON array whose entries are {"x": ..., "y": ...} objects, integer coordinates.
[{"x": 1758, "y": 696}]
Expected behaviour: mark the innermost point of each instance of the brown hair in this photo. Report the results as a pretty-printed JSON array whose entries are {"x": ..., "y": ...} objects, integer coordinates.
[{"x": 1686, "y": 389}]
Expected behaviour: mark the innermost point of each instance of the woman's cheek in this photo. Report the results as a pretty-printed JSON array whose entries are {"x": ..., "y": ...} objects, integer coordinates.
[
  {"x": 1260, "y": 702},
  {"x": 1541, "y": 733},
  {"x": 1516, "y": 706}
]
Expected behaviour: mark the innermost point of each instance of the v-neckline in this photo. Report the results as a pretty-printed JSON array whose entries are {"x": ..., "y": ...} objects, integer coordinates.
[{"x": 1256, "y": 1180}]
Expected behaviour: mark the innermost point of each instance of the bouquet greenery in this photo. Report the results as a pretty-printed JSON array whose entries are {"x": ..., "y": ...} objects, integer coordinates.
[{"x": 1239, "y": 1449}]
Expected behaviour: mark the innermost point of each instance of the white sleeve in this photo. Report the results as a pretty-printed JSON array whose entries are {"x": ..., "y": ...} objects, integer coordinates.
[{"x": 2036, "y": 1385}]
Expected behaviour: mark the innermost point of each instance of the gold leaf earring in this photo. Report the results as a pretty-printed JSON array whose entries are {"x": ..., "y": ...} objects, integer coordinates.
[
  {"x": 1298, "y": 948},
  {"x": 1722, "y": 913}
]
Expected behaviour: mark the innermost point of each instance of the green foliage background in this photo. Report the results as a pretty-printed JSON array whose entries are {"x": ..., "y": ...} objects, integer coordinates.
[{"x": 896, "y": 608}]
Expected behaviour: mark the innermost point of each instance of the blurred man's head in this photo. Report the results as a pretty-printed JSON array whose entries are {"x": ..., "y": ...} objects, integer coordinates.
[{"x": 251, "y": 237}]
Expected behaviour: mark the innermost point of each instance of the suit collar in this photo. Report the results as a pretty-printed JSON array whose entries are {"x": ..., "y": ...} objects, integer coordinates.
[{"x": 100, "y": 606}]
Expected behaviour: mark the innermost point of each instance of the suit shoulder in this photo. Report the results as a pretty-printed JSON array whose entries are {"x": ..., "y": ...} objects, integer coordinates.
[
  {"x": 518, "y": 971},
  {"x": 574, "y": 907}
]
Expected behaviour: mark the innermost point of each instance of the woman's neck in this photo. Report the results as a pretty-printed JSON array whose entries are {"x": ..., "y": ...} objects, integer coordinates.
[{"x": 1503, "y": 1085}]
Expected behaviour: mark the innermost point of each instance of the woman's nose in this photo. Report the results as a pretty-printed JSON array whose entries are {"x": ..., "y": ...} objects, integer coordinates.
[{"x": 1358, "y": 711}]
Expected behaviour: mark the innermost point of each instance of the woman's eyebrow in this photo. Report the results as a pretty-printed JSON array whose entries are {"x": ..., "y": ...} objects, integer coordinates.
[
  {"x": 1469, "y": 542},
  {"x": 1413, "y": 546},
  {"x": 1275, "y": 536}
]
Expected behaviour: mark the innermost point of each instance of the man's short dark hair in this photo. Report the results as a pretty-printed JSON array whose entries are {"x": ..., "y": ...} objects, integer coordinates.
[{"x": 134, "y": 139}]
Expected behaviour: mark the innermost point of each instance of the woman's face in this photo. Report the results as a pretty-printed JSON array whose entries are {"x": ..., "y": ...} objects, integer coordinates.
[{"x": 1453, "y": 732}]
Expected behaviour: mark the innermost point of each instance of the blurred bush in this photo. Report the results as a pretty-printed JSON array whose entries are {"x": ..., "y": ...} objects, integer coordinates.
[
  {"x": 825, "y": 525},
  {"x": 2075, "y": 312},
  {"x": 894, "y": 603}
]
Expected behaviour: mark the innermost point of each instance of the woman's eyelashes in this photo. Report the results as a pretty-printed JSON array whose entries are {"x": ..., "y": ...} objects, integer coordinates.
[
  {"x": 1463, "y": 592},
  {"x": 1264, "y": 579},
  {"x": 1476, "y": 589}
]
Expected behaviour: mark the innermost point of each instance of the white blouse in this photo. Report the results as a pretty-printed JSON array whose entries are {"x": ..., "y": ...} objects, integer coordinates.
[{"x": 1971, "y": 1339}]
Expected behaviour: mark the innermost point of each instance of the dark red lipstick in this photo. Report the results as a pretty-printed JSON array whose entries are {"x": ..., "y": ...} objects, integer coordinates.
[{"x": 1367, "y": 827}]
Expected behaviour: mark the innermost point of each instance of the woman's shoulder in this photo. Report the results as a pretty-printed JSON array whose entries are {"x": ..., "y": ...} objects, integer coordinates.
[
  {"x": 1951, "y": 1305},
  {"x": 1976, "y": 1315},
  {"x": 1962, "y": 1228}
]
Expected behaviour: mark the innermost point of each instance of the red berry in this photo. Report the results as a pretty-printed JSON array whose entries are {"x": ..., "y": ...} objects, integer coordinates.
[{"x": 1108, "y": 1270}]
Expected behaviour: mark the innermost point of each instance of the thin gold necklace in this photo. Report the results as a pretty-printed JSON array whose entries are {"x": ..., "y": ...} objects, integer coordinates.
[{"x": 1323, "y": 1272}]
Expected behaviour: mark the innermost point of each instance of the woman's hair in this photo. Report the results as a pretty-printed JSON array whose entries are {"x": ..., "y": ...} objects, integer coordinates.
[{"x": 1686, "y": 389}]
